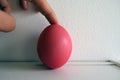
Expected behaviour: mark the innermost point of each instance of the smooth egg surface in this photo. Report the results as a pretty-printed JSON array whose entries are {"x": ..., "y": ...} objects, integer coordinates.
[{"x": 54, "y": 46}]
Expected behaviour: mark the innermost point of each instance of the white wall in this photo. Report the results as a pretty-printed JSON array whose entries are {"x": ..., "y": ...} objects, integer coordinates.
[{"x": 94, "y": 26}]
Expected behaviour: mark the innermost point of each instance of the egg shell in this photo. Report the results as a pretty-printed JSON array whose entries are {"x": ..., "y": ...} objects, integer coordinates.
[{"x": 54, "y": 46}]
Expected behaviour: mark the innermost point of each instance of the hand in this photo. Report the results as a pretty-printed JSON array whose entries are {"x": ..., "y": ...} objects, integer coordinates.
[
  {"x": 5, "y": 6},
  {"x": 43, "y": 7},
  {"x": 7, "y": 22}
]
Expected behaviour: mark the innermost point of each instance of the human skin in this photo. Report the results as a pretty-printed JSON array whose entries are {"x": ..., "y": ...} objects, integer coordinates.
[
  {"x": 7, "y": 22},
  {"x": 44, "y": 7}
]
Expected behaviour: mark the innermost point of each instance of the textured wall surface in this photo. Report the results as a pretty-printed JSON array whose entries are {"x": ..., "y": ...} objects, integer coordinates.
[{"x": 94, "y": 26}]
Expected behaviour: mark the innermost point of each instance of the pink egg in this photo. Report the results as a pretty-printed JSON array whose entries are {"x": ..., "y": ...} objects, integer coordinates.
[{"x": 54, "y": 46}]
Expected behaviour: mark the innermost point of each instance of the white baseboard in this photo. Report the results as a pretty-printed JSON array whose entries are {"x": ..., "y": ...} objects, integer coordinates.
[{"x": 116, "y": 62}]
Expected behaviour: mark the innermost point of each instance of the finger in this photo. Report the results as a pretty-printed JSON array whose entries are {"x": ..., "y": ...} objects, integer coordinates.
[
  {"x": 24, "y": 4},
  {"x": 5, "y": 5},
  {"x": 7, "y": 22},
  {"x": 46, "y": 10}
]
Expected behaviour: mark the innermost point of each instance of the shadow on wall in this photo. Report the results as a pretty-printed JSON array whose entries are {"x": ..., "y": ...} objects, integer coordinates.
[{"x": 21, "y": 44}]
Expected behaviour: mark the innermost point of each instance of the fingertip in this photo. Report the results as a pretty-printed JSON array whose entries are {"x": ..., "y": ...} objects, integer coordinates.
[{"x": 24, "y": 4}]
